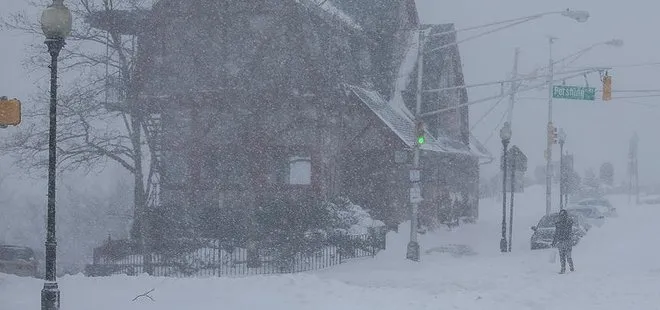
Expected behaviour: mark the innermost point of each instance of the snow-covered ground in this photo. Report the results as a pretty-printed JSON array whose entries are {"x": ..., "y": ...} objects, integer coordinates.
[{"x": 617, "y": 267}]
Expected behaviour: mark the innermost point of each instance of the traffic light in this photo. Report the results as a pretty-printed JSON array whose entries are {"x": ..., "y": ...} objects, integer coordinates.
[
  {"x": 607, "y": 88},
  {"x": 10, "y": 112},
  {"x": 420, "y": 133}
]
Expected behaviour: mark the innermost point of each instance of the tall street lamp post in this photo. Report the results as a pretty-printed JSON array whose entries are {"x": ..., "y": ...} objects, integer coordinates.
[
  {"x": 579, "y": 17},
  {"x": 562, "y": 169},
  {"x": 56, "y": 26},
  {"x": 505, "y": 135},
  {"x": 513, "y": 193},
  {"x": 575, "y": 56}
]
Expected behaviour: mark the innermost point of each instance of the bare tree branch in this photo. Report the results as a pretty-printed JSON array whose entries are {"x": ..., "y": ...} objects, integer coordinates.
[
  {"x": 145, "y": 295},
  {"x": 90, "y": 134}
]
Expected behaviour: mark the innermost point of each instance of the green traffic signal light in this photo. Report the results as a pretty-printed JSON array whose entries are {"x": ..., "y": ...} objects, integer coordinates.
[{"x": 421, "y": 140}]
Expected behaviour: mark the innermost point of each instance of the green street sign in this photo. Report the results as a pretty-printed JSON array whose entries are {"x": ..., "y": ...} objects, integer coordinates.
[{"x": 574, "y": 92}]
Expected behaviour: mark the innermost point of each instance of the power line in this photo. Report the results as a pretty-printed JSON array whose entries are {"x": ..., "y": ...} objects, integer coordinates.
[
  {"x": 631, "y": 97},
  {"x": 636, "y": 91},
  {"x": 519, "y": 90},
  {"x": 648, "y": 105},
  {"x": 492, "y": 108},
  {"x": 613, "y": 98},
  {"x": 643, "y": 64}
]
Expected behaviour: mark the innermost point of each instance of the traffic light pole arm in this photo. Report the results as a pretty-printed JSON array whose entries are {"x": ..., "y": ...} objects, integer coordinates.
[
  {"x": 527, "y": 78},
  {"x": 484, "y": 34},
  {"x": 502, "y": 95},
  {"x": 513, "y": 20}
]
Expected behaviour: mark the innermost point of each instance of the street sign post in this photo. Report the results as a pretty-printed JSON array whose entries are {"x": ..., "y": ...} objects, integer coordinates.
[
  {"x": 415, "y": 195},
  {"x": 415, "y": 175},
  {"x": 574, "y": 92}
]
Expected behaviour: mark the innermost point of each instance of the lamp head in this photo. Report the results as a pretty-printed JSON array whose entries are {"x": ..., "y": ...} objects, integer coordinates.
[
  {"x": 579, "y": 16},
  {"x": 615, "y": 42},
  {"x": 56, "y": 21},
  {"x": 505, "y": 132}
]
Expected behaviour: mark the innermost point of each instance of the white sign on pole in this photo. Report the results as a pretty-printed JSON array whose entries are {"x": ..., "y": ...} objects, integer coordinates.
[
  {"x": 415, "y": 195},
  {"x": 414, "y": 175}
]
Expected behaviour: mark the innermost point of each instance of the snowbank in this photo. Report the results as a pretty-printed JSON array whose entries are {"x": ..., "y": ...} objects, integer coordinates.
[{"x": 616, "y": 268}]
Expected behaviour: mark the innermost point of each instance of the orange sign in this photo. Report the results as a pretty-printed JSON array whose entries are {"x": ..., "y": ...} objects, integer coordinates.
[{"x": 10, "y": 112}]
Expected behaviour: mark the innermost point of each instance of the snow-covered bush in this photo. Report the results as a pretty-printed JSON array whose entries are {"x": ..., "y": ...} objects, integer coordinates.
[
  {"x": 350, "y": 218},
  {"x": 288, "y": 228}
]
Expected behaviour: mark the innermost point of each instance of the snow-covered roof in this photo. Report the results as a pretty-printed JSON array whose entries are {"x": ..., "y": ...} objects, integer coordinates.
[
  {"x": 328, "y": 8},
  {"x": 479, "y": 148},
  {"x": 403, "y": 77},
  {"x": 404, "y": 126},
  {"x": 407, "y": 67}
]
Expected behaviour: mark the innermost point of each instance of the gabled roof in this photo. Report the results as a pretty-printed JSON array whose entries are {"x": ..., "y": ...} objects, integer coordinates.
[
  {"x": 327, "y": 9},
  {"x": 404, "y": 126}
]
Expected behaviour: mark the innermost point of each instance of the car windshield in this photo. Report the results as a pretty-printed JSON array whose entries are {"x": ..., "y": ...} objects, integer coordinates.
[
  {"x": 549, "y": 221},
  {"x": 593, "y": 202},
  {"x": 586, "y": 212},
  {"x": 15, "y": 253}
]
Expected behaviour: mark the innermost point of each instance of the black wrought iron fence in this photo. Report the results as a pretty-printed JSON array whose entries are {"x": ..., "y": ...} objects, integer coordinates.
[{"x": 214, "y": 259}]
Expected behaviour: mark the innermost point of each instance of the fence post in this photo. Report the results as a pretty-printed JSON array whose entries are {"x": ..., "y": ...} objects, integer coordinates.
[
  {"x": 340, "y": 253},
  {"x": 95, "y": 256},
  {"x": 253, "y": 260},
  {"x": 373, "y": 240},
  {"x": 218, "y": 257}
]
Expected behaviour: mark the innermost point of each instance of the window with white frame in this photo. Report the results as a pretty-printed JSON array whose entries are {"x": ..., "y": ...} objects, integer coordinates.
[{"x": 300, "y": 170}]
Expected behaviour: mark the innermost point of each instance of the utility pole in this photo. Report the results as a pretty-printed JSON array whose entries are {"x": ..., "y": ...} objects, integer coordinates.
[
  {"x": 561, "y": 175},
  {"x": 412, "y": 252},
  {"x": 513, "y": 193},
  {"x": 634, "y": 171},
  {"x": 514, "y": 86},
  {"x": 548, "y": 151}
]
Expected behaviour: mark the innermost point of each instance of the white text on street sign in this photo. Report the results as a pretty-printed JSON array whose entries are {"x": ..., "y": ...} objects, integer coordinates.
[{"x": 573, "y": 92}]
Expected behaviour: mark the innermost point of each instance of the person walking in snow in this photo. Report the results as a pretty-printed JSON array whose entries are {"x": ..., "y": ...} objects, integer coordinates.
[{"x": 563, "y": 240}]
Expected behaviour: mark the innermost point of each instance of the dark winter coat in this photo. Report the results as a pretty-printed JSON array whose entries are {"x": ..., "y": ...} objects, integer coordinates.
[{"x": 563, "y": 230}]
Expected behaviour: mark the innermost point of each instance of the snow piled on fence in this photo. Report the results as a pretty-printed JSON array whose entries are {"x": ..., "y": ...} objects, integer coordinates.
[{"x": 357, "y": 219}]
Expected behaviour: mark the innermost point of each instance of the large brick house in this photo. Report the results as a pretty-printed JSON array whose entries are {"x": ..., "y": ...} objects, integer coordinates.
[{"x": 251, "y": 101}]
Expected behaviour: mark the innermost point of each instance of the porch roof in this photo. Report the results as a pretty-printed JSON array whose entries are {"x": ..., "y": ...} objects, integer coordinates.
[{"x": 403, "y": 125}]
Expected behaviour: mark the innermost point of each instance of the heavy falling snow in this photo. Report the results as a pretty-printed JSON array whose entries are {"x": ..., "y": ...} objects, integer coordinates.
[{"x": 329, "y": 154}]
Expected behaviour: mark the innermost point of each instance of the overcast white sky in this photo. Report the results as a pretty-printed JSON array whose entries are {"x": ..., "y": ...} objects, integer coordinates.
[{"x": 597, "y": 131}]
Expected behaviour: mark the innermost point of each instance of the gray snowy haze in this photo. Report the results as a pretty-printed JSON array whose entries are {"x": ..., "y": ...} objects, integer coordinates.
[{"x": 597, "y": 131}]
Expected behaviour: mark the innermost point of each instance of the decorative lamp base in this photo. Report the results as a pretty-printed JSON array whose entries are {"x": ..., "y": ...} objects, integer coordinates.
[
  {"x": 50, "y": 296},
  {"x": 413, "y": 251},
  {"x": 503, "y": 245}
]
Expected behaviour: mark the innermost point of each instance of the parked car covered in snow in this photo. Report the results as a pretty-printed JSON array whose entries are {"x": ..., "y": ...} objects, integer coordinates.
[
  {"x": 18, "y": 260},
  {"x": 594, "y": 215},
  {"x": 651, "y": 200},
  {"x": 609, "y": 209},
  {"x": 544, "y": 231}
]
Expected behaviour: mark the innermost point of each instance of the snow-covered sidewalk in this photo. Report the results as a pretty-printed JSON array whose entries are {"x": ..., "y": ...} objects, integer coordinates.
[{"x": 617, "y": 267}]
